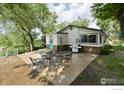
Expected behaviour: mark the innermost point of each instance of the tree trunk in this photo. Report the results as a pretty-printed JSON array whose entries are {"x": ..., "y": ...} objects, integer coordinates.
[
  {"x": 30, "y": 42},
  {"x": 122, "y": 23}
]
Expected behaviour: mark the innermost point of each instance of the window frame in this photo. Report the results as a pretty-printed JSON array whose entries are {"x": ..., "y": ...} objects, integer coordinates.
[{"x": 87, "y": 36}]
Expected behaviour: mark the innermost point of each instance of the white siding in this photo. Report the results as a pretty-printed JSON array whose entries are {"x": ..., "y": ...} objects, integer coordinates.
[
  {"x": 47, "y": 39},
  {"x": 56, "y": 39},
  {"x": 76, "y": 32},
  {"x": 98, "y": 40},
  {"x": 103, "y": 39}
]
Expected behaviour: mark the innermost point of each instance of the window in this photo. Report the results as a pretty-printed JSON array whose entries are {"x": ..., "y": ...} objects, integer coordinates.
[
  {"x": 92, "y": 38},
  {"x": 88, "y": 38},
  {"x": 84, "y": 38},
  {"x": 60, "y": 40}
]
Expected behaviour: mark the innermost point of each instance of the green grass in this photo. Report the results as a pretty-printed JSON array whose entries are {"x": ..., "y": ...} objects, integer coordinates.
[
  {"x": 10, "y": 52},
  {"x": 119, "y": 47},
  {"x": 113, "y": 64},
  {"x": 2, "y": 53},
  {"x": 104, "y": 66},
  {"x": 109, "y": 59}
]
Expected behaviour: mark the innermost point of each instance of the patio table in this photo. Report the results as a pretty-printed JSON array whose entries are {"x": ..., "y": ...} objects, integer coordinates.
[{"x": 55, "y": 58}]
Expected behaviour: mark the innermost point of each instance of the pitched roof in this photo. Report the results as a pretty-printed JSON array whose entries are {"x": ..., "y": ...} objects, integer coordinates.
[{"x": 100, "y": 30}]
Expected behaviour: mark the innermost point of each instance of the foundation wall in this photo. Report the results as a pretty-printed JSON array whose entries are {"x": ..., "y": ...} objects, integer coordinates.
[
  {"x": 91, "y": 49},
  {"x": 62, "y": 48},
  {"x": 88, "y": 49}
]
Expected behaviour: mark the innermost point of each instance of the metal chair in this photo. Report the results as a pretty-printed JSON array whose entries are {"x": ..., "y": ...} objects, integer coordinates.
[
  {"x": 37, "y": 64},
  {"x": 67, "y": 56}
]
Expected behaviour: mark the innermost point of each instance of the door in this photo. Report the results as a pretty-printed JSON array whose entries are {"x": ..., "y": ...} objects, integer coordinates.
[
  {"x": 61, "y": 43},
  {"x": 51, "y": 43}
]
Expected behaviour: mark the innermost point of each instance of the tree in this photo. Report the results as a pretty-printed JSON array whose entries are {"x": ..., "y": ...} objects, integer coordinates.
[
  {"x": 110, "y": 11},
  {"x": 80, "y": 22},
  {"x": 26, "y": 17},
  {"x": 61, "y": 25},
  {"x": 44, "y": 19},
  {"x": 112, "y": 29},
  {"x": 20, "y": 15},
  {"x": 4, "y": 41}
]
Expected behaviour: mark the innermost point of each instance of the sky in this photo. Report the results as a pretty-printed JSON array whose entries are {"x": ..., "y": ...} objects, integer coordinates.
[{"x": 72, "y": 11}]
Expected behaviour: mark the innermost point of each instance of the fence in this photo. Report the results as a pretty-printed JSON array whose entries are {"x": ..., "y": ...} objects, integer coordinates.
[{"x": 7, "y": 52}]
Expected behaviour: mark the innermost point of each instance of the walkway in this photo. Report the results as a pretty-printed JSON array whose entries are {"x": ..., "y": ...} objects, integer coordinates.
[{"x": 79, "y": 63}]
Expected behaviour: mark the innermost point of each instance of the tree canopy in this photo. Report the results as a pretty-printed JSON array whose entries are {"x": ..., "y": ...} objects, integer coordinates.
[
  {"x": 20, "y": 21},
  {"x": 110, "y": 11},
  {"x": 107, "y": 11},
  {"x": 79, "y": 22},
  {"x": 25, "y": 17}
]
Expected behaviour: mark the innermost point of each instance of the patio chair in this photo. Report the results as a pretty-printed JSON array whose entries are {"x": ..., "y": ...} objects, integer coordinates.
[
  {"x": 37, "y": 64},
  {"x": 55, "y": 62},
  {"x": 46, "y": 59},
  {"x": 67, "y": 56}
]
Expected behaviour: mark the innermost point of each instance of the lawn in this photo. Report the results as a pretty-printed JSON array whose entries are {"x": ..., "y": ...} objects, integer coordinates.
[
  {"x": 104, "y": 66},
  {"x": 113, "y": 64}
]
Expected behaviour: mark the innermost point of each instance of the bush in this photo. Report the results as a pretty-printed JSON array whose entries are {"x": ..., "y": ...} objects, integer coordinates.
[
  {"x": 38, "y": 44},
  {"x": 119, "y": 47},
  {"x": 21, "y": 49},
  {"x": 107, "y": 49}
]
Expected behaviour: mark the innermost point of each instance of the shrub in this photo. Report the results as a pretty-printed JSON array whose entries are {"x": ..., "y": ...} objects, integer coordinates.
[
  {"x": 38, "y": 44},
  {"x": 107, "y": 49},
  {"x": 119, "y": 47},
  {"x": 21, "y": 49}
]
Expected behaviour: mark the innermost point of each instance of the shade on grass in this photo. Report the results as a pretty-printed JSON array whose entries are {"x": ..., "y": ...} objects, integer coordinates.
[{"x": 113, "y": 64}]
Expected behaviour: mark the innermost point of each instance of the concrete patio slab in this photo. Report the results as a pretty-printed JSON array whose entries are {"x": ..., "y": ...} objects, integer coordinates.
[
  {"x": 15, "y": 70},
  {"x": 79, "y": 63}
]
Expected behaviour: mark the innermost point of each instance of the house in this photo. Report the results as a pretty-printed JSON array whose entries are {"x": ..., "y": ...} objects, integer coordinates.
[{"x": 89, "y": 39}]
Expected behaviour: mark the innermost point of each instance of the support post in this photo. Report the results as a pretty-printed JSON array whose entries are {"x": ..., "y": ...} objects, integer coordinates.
[{"x": 98, "y": 40}]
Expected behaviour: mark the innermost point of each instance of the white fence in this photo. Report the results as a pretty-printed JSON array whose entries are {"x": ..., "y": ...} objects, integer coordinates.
[{"x": 9, "y": 52}]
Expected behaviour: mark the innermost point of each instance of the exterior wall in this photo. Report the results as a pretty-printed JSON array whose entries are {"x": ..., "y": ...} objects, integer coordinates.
[
  {"x": 91, "y": 49},
  {"x": 88, "y": 49},
  {"x": 56, "y": 39},
  {"x": 69, "y": 37},
  {"x": 47, "y": 46},
  {"x": 103, "y": 39},
  {"x": 47, "y": 39},
  {"x": 62, "y": 48},
  {"x": 75, "y": 33}
]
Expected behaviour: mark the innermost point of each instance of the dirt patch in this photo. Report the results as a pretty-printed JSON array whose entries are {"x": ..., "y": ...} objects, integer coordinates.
[
  {"x": 14, "y": 71},
  {"x": 17, "y": 70}
]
